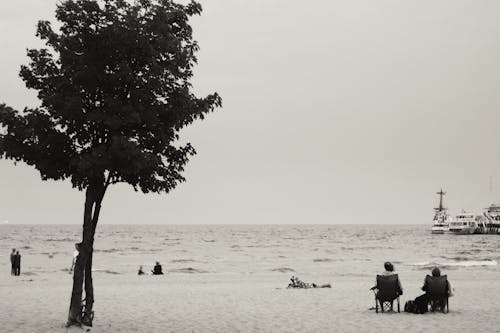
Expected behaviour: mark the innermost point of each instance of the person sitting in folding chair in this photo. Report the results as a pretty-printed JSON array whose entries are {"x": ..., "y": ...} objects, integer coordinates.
[
  {"x": 387, "y": 289},
  {"x": 437, "y": 290}
]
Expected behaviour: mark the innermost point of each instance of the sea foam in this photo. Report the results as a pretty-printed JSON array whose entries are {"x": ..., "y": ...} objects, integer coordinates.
[{"x": 451, "y": 264}]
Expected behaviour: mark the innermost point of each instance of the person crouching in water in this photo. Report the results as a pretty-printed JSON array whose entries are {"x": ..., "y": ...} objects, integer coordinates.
[{"x": 157, "y": 269}]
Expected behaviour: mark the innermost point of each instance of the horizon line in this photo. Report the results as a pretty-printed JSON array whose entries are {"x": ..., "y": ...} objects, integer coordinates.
[{"x": 218, "y": 224}]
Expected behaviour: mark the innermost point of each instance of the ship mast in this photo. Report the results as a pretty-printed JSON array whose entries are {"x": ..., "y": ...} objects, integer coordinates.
[{"x": 440, "y": 208}]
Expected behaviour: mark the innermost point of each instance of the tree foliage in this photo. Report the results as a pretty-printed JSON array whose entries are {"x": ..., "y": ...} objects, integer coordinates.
[{"x": 114, "y": 86}]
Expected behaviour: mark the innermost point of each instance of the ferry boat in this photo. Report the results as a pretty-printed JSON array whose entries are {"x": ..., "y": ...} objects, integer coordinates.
[
  {"x": 464, "y": 224},
  {"x": 492, "y": 215},
  {"x": 441, "y": 219}
]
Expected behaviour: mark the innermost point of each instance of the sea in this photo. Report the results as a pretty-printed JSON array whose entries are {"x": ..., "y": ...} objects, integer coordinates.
[{"x": 262, "y": 250}]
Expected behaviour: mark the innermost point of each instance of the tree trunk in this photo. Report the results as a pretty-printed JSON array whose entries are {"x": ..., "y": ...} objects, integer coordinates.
[
  {"x": 88, "y": 316},
  {"x": 89, "y": 293},
  {"x": 82, "y": 273}
]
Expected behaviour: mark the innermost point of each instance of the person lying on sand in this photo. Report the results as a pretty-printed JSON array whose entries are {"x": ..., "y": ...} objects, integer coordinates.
[{"x": 296, "y": 283}]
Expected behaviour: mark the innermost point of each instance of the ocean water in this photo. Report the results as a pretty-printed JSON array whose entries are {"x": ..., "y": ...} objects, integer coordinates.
[{"x": 267, "y": 251}]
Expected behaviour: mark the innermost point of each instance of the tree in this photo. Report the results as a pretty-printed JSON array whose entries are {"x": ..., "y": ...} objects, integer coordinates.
[{"x": 114, "y": 86}]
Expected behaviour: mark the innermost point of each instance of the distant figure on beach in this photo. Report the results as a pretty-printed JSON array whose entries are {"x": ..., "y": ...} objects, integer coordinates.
[
  {"x": 75, "y": 255},
  {"x": 297, "y": 283},
  {"x": 12, "y": 260},
  {"x": 140, "y": 272},
  {"x": 157, "y": 269},
  {"x": 17, "y": 264}
]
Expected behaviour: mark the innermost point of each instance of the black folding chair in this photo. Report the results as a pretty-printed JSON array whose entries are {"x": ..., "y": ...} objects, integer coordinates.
[
  {"x": 386, "y": 292},
  {"x": 437, "y": 292}
]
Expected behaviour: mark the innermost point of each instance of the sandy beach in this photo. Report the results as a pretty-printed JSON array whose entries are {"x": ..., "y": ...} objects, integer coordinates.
[
  {"x": 234, "y": 278},
  {"x": 212, "y": 303}
]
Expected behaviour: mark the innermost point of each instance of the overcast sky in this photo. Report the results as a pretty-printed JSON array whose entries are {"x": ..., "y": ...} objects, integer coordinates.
[{"x": 333, "y": 112}]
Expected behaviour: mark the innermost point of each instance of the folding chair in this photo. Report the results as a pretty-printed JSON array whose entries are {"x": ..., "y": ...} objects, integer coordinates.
[
  {"x": 387, "y": 292},
  {"x": 437, "y": 292}
]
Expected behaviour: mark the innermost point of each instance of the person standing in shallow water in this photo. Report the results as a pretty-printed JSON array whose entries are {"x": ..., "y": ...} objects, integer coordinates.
[
  {"x": 17, "y": 264},
  {"x": 12, "y": 265}
]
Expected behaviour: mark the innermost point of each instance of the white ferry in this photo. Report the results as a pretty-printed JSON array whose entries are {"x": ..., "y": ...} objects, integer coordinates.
[
  {"x": 441, "y": 219},
  {"x": 492, "y": 215},
  {"x": 464, "y": 224}
]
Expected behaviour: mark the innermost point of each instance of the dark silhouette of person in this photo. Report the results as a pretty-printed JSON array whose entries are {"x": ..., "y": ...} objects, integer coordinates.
[
  {"x": 421, "y": 303},
  {"x": 157, "y": 269},
  {"x": 423, "y": 300},
  {"x": 140, "y": 272},
  {"x": 12, "y": 262},
  {"x": 389, "y": 270},
  {"x": 17, "y": 264},
  {"x": 435, "y": 273}
]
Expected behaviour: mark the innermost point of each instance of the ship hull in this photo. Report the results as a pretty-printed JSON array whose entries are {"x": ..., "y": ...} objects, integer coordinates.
[
  {"x": 439, "y": 230},
  {"x": 464, "y": 231}
]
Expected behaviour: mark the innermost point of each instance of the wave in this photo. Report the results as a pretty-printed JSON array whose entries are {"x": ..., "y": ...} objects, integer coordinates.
[
  {"x": 352, "y": 274},
  {"x": 107, "y": 271},
  {"x": 455, "y": 264},
  {"x": 469, "y": 252},
  {"x": 182, "y": 260},
  {"x": 153, "y": 250},
  {"x": 262, "y": 246},
  {"x": 51, "y": 254},
  {"x": 127, "y": 250},
  {"x": 60, "y": 240},
  {"x": 113, "y": 250},
  {"x": 171, "y": 244},
  {"x": 368, "y": 248},
  {"x": 322, "y": 260},
  {"x": 236, "y": 248},
  {"x": 468, "y": 258},
  {"x": 283, "y": 270},
  {"x": 188, "y": 270}
]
